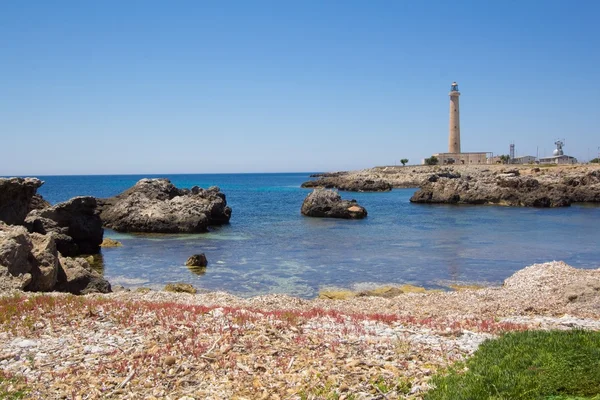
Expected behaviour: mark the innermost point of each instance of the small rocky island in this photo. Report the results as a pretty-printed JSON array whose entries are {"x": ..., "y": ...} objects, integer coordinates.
[
  {"x": 157, "y": 206},
  {"x": 326, "y": 203}
]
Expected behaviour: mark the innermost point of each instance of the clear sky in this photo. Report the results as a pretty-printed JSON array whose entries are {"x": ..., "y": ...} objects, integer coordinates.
[{"x": 103, "y": 87}]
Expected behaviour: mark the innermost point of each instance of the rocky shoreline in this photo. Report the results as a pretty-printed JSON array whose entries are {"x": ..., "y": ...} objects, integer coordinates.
[
  {"x": 505, "y": 185},
  {"x": 146, "y": 344},
  {"x": 151, "y": 345},
  {"x": 45, "y": 248}
]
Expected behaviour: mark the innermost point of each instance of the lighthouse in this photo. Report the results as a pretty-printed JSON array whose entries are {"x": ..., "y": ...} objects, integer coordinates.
[{"x": 454, "y": 134}]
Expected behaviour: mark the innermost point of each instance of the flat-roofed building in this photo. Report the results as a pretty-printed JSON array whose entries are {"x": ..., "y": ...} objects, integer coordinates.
[
  {"x": 462, "y": 158},
  {"x": 523, "y": 160},
  {"x": 560, "y": 159}
]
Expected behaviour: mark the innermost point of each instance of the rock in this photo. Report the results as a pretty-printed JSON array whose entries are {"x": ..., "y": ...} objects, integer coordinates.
[
  {"x": 17, "y": 198},
  {"x": 44, "y": 271},
  {"x": 15, "y": 257},
  {"x": 30, "y": 258},
  {"x": 31, "y": 261},
  {"x": 76, "y": 224},
  {"x": 108, "y": 242},
  {"x": 170, "y": 360},
  {"x": 350, "y": 185},
  {"x": 77, "y": 277},
  {"x": 197, "y": 260},
  {"x": 329, "y": 204},
  {"x": 38, "y": 203},
  {"x": 156, "y": 205},
  {"x": 180, "y": 288}
]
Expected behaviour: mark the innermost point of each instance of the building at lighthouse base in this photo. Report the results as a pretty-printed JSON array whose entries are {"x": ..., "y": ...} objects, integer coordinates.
[{"x": 473, "y": 158}]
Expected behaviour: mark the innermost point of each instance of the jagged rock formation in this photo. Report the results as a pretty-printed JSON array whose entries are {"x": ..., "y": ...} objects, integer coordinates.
[
  {"x": 31, "y": 261},
  {"x": 509, "y": 188},
  {"x": 156, "y": 205},
  {"x": 76, "y": 224},
  {"x": 18, "y": 197},
  {"x": 329, "y": 204}
]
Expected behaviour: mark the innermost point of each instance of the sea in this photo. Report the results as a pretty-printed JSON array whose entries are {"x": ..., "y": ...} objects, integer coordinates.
[{"x": 269, "y": 247}]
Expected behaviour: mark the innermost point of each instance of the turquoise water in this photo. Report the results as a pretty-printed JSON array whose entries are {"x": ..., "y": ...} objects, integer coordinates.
[{"x": 269, "y": 247}]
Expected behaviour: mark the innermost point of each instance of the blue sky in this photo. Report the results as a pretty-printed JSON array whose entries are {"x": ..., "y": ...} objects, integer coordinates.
[{"x": 102, "y": 87}]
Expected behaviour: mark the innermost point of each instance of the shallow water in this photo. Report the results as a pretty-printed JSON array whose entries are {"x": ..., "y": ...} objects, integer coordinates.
[{"x": 269, "y": 247}]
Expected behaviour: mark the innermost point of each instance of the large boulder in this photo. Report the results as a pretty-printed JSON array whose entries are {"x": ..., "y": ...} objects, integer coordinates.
[
  {"x": 18, "y": 197},
  {"x": 27, "y": 261},
  {"x": 156, "y": 205},
  {"x": 76, "y": 224},
  {"x": 31, "y": 262},
  {"x": 329, "y": 204}
]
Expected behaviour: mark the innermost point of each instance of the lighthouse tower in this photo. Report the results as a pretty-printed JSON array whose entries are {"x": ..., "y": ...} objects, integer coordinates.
[{"x": 454, "y": 136}]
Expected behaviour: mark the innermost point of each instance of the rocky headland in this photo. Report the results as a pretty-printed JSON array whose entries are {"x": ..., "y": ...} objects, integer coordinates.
[
  {"x": 325, "y": 203},
  {"x": 157, "y": 206},
  {"x": 509, "y": 185}
]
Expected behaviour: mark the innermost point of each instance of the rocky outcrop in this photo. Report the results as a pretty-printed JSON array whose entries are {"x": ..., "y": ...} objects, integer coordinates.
[
  {"x": 508, "y": 188},
  {"x": 31, "y": 262},
  {"x": 329, "y": 204},
  {"x": 76, "y": 224},
  {"x": 18, "y": 197},
  {"x": 156, "y": 205},
  {"x": 349, "y": 185}
]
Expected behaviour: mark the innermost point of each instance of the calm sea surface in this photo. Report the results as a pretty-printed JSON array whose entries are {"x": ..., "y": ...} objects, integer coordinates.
[{"x": 269, "y": 247}]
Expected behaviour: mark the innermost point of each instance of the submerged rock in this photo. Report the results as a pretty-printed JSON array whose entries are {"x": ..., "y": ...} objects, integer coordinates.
[
  {"x": 156, "y": 205},
  {"x": 76, "y": 224},
  {"x": 329, "y": 204},
  {"x": 383, "y": 291},
  {"x": 108, "y": 242},
  {"x": 18, "y": 197},
  {"x": 180, "y": 288}
]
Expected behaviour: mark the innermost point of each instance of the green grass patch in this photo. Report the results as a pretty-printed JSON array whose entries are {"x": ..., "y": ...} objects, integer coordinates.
[{"x": 549, "y": 365}]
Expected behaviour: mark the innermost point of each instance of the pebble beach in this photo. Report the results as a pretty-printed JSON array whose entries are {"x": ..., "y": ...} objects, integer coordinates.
[{"x": 159, "y": 345}]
